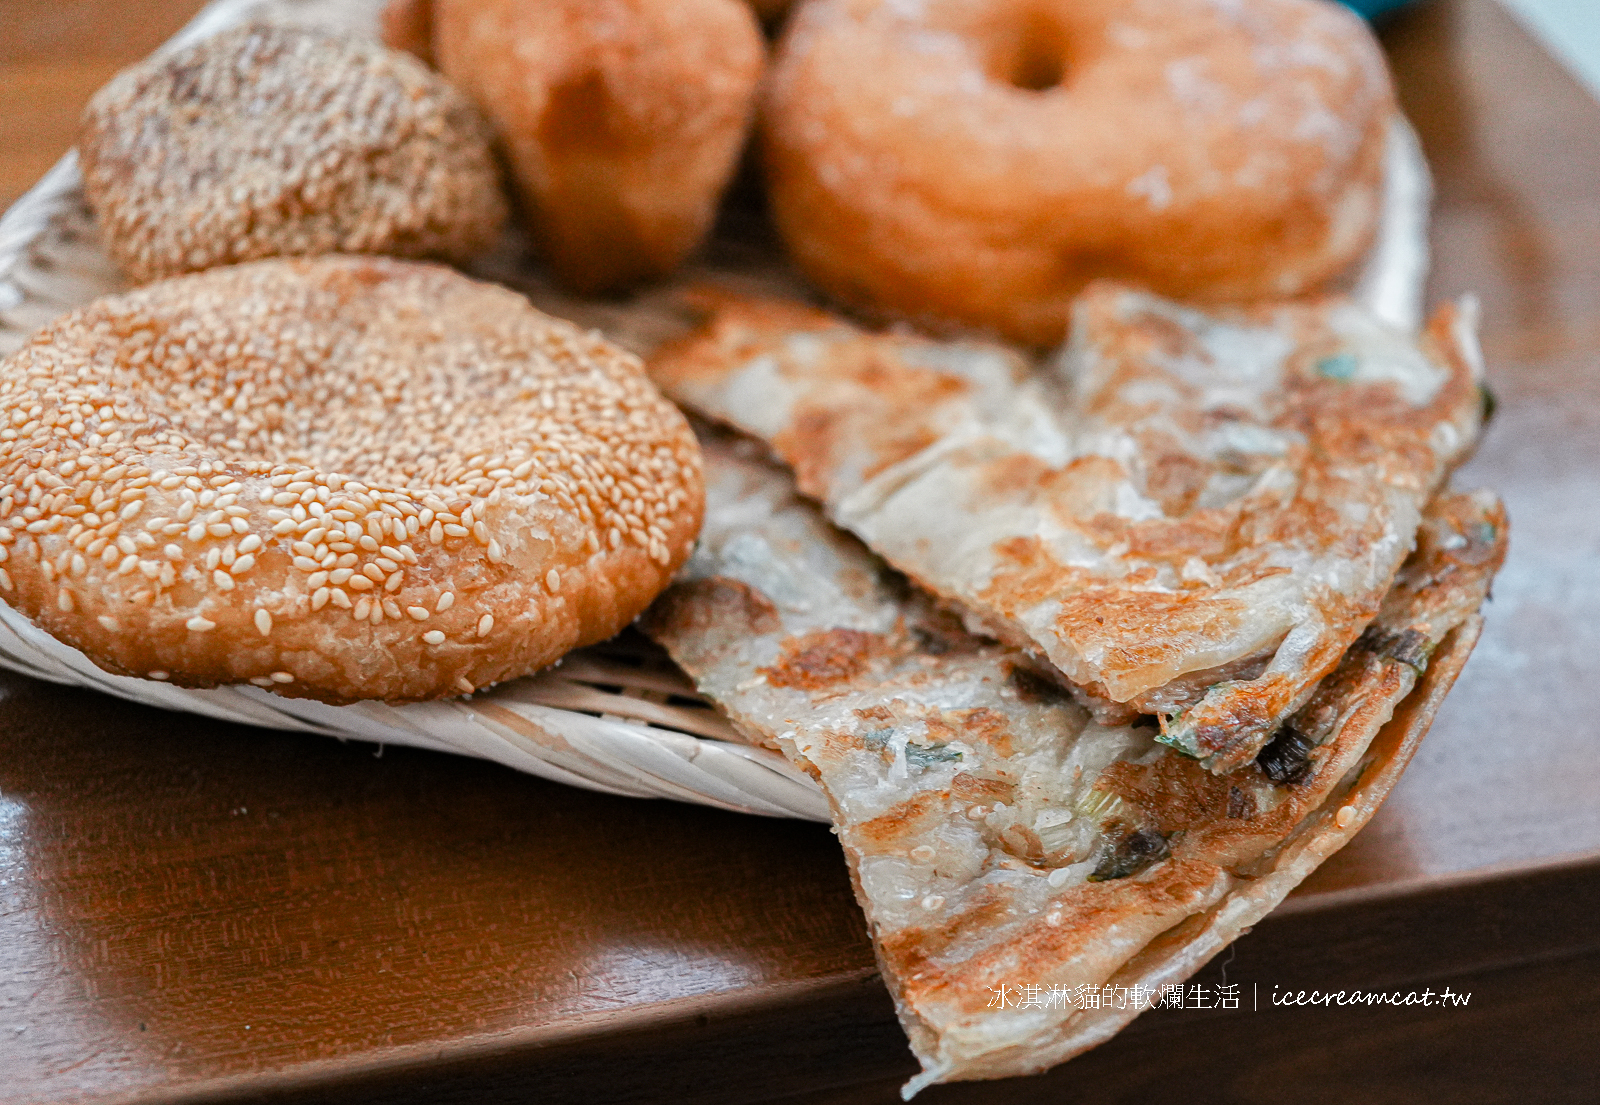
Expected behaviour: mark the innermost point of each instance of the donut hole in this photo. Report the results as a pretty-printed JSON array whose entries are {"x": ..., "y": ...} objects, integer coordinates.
[
  {"x": 1031, "y": 55},
  {"x": 1038, "y": 68}
]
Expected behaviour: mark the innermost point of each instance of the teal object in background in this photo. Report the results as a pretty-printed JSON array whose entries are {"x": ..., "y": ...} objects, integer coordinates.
[{"x": 1370, "y": 8}]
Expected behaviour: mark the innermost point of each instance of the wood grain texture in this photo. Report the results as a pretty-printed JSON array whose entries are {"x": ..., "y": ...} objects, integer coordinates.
[
  {"x": 54, "y": 55},
  {"x": 185, "y": 903},
  {"x": 1508, "y": 774},
  {"x": 191, "y": 911}
]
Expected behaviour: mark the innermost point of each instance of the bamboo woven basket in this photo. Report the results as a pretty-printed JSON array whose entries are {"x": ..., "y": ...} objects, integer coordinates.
[{"x": 618, "y": 717}]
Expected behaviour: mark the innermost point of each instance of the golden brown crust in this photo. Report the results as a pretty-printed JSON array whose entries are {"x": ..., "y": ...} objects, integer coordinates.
[
  {"x": 269, "y": 141},
  {"x": 622, "y": 119},
  {"x": 981, "y": 162},
  {"x": 1179, "y": 952},
  {"x": 342, "y": 478},
  {"x": 1188, "y": 513},
  {"x": 997, "y": 836},
  {"x": 1359, "y": 730},
  {"x": 408, "y": 25}
]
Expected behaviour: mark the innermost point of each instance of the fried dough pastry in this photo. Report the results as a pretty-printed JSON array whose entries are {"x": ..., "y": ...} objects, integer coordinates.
[
  {"x": 337, "y": 478},
  {"x": 980, "y": 161},
  {"x": 622, "y": 119},
  {"x": 267, "y": 141},
  {"x": 1186, "y": 514},
  {"x": 997, "y": 834}
]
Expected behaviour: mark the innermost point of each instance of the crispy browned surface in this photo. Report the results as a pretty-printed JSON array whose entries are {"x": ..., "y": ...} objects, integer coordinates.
[
  {"x": 273, "y": 141},
  {"x": 1188, "y": 514},
  {"x": 1176, "y": 953},
  {"x": 982, "y": 162},
  {"x": 341, "y": 478},
  {"x": 988, "y": 821},
  {"x": 622, "y": 119}
]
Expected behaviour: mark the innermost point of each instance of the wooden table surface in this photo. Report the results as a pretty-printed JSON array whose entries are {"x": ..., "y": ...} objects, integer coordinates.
[{"x": 191, "y": 911}]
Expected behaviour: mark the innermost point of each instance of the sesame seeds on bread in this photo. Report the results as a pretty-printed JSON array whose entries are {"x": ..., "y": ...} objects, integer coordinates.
[
  {"x": 341, "y": 478},
  {"x": 268, "y": 141}
]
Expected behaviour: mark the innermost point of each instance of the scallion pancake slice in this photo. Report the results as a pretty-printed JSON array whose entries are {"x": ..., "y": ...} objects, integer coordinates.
[
  {"x": 1187, "y": 514},
  {"x": 996, "y": 832}
]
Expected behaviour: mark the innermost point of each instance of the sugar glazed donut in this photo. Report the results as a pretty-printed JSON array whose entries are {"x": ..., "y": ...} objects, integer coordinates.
[
  {"x": 274, "y": 141},
  {"x": 982, "y": 160},
  {"x": 341, "y": 478},
  {"x": 622, "y": 119}
]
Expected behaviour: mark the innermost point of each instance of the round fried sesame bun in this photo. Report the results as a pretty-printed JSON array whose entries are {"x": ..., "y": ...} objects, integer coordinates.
[
  {"x": 340, "y": 478},
  {"x": 278, "y": 141}
]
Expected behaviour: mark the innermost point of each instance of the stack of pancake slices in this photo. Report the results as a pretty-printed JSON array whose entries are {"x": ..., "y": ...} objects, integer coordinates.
[{"x": 1096, "y": 658}]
